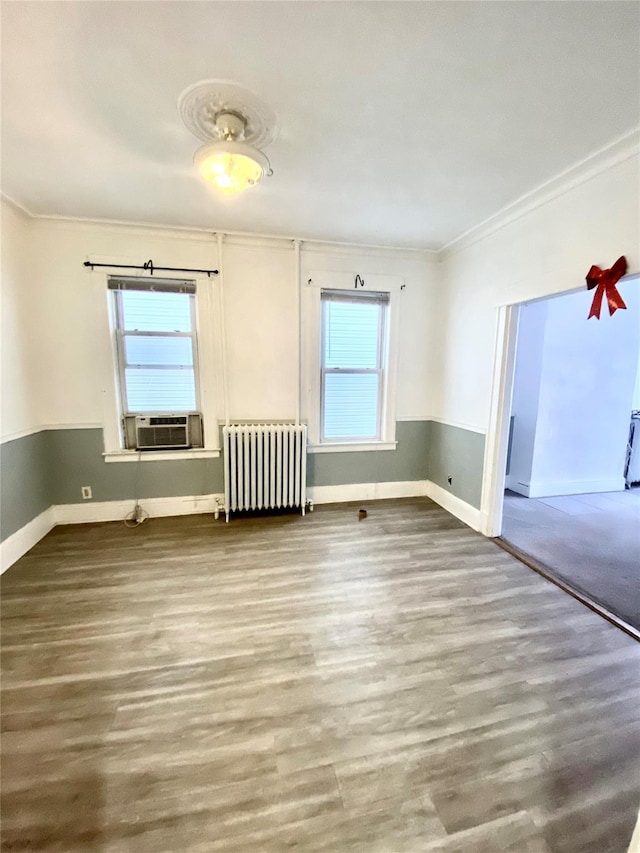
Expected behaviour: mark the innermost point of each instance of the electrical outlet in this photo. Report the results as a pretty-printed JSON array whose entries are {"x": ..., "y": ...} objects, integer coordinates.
[{"x": 86, "y": 493}]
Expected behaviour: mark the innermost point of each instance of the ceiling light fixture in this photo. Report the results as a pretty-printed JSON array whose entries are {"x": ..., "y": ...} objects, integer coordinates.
[
  {"x": 232, "y": 122},
  {"x": 231, "y": 164}
]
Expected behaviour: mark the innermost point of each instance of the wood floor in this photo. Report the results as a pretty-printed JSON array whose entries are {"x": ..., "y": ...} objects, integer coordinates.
[{"x": 395, "y": 685}]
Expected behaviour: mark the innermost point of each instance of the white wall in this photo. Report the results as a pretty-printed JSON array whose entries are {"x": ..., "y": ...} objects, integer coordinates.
[
  {"x": 72, "y": 350},
  {"x": 417, "y": 369},
  {"x": 583, "y": 388},
  {"x": 18, "y": 413},
  {"x": 261, "y": 323},
  {"x": 547, "y": 249}
]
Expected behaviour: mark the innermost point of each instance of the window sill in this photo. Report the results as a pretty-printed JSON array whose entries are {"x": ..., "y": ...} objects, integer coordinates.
[
  {"x": 347, "y": 447},
  {"x": 160, "y": 455}
]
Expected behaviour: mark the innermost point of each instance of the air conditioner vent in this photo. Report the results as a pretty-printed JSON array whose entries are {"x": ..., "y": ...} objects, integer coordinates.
[{"x": 160, "y": 436}]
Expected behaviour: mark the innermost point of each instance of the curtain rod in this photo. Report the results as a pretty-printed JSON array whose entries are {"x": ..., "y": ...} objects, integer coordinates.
[{"x": 148, "y": 265}]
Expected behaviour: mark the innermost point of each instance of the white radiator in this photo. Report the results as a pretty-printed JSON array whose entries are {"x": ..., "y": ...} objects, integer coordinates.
[{"x": 265, "y": 466}]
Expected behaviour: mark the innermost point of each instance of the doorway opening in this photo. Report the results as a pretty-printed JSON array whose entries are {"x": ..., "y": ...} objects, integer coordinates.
[{"x": 562, "y": 487}]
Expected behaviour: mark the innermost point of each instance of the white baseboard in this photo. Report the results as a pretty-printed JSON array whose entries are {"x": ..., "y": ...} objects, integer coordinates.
[
  {"x": 553, "y": 488},
  {"x": 366, "y": 491},
  {"x": 405, "y": 489},
  {"x": 513, "y": 485},
  {"x": 86, "y": 513},
  {"x": 16, "y": 545},
  {"x": 461, "y": 509}
]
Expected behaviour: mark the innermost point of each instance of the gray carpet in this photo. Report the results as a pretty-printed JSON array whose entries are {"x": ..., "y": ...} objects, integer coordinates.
[{"x": 592, "y": 542}]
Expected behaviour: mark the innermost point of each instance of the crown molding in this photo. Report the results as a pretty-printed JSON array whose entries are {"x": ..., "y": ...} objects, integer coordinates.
[
  {"x": 20, "y": 208},
  {"x": 234, "y": 237},
  {"x": 319, "y": 246},
  {"x": 618, "y": 151},
  {"x": 316, "y": 247},
  {"x": 200, "y": 235}
]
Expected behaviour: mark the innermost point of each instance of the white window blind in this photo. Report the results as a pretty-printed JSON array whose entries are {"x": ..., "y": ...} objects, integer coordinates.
[
  {"x": 157, "y": 351},
  {"x": 352, "y": 365}
]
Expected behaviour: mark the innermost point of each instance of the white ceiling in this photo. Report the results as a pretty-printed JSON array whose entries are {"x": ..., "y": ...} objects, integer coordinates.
[{"x": 399, "y": 123}]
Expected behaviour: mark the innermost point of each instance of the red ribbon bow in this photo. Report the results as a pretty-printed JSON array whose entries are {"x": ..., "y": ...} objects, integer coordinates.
[{"x": 605, "y": 282}]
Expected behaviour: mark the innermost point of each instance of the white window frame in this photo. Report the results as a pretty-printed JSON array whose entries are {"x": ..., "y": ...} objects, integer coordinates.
[
  {"x": 312, "y": 334},
  {"x": 209, "y": 390},
  {"x": 122, "y": 333},
  {"x": 379, "y": 370}
]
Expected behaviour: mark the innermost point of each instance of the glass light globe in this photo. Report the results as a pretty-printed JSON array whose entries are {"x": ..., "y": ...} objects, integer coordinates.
[{"x": 231, "y": 166}]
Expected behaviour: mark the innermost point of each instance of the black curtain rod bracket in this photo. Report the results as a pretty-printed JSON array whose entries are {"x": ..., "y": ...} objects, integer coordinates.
[{"x": 149, "y": 267}]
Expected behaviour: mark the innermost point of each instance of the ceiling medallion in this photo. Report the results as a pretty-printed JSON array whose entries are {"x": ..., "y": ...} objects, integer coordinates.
[{"x": 234, "y": 124}]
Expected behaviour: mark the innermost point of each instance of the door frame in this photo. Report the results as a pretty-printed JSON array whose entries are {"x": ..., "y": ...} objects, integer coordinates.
[{"x": 497, "y": 438}]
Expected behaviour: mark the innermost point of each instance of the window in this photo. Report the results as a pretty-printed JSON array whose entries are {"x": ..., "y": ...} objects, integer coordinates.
[
  {"x": 349, "y": 354},
  {"x": 156, "y": 345},
  {"x": 352, "y": 365}
]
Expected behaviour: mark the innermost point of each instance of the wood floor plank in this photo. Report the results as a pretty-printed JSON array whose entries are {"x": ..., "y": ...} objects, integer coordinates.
[{"x": 397, "y": 685}]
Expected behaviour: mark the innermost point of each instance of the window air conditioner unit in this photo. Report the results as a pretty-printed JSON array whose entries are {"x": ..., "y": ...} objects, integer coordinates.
[{"x": 163, "y": 432}]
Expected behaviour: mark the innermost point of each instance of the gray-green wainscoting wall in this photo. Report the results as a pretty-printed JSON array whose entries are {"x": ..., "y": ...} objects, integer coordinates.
[
  {"x": 457, "y": 453},
  {"x": 25, "y": 481},
  {"x": 51, "y": 466}
]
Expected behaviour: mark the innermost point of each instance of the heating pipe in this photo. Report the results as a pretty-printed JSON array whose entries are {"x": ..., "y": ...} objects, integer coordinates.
[
  {"x": 296, "y": 247},
  {"x": 223, "y": 329}
]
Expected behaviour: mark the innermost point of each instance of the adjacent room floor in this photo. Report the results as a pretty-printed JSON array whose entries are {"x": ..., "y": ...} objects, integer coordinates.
[
  {"x": 395, "y": 685},
  {"x": 591, "y": 542}
]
